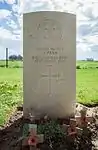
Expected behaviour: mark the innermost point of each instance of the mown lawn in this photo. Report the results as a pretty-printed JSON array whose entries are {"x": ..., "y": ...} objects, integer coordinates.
[
  {"x": 87, "y": 82},
  {"x": 10, "y": 91},
  {"x": 11, "y": 64},
  {"x": 88, "y": 64},
  {"x": 87, "y": 86},
  {"x": 11, "y": 82}
]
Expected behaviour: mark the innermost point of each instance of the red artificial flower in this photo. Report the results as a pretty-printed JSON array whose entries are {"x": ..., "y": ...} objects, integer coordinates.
[{"x": 32, "y": 140}]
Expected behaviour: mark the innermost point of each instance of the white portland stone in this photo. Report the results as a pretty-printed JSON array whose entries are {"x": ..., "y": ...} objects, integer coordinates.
[{"x": 49, "y": 48}]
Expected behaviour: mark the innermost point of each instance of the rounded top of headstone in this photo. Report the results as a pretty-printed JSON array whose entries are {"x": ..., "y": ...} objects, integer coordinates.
[{"x": 49, "y": 12}]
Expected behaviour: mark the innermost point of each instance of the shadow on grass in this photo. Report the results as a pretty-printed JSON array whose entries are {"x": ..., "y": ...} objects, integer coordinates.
[{"x": 90, "y": 105}]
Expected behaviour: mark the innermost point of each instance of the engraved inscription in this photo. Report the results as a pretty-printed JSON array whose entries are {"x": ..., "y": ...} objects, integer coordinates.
[
  {"x": 50, "y": 48},
  {"x": 47, "y": 59},
  {"x": 49, "y": 54},
  {"x": 49, "y": 28}
]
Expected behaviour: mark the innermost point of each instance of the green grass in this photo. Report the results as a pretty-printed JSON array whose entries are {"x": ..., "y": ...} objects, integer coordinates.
[
  {"x": 87, "y": 82},
  {"x": 11, "y": 92},
  {"x": 87, "y": 64},
  {"x": 12, "y": 64},
  {"x": 87, "y": 86}
]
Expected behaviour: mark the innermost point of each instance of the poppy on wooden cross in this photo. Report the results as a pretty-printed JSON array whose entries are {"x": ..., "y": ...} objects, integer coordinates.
[
  {"x": 73, "y": 131},
  {"x": 33, "y": 138},
  {"x": 83, "y": 119}
]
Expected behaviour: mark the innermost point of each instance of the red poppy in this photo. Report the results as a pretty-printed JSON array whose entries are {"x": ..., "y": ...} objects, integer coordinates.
[
  {"x": 32, "y": 140},
  {"x": 72, "y": 131}
]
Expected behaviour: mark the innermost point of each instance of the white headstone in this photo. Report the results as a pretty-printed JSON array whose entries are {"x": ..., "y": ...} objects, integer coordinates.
[{"x": 49, "y": 48}]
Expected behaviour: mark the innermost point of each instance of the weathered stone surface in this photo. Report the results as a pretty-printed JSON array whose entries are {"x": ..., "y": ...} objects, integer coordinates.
[{"x": 49, "y": 63}]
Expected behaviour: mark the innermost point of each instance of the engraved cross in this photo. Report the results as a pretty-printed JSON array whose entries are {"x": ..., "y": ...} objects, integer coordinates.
[{"x": 50, "y": 75}]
